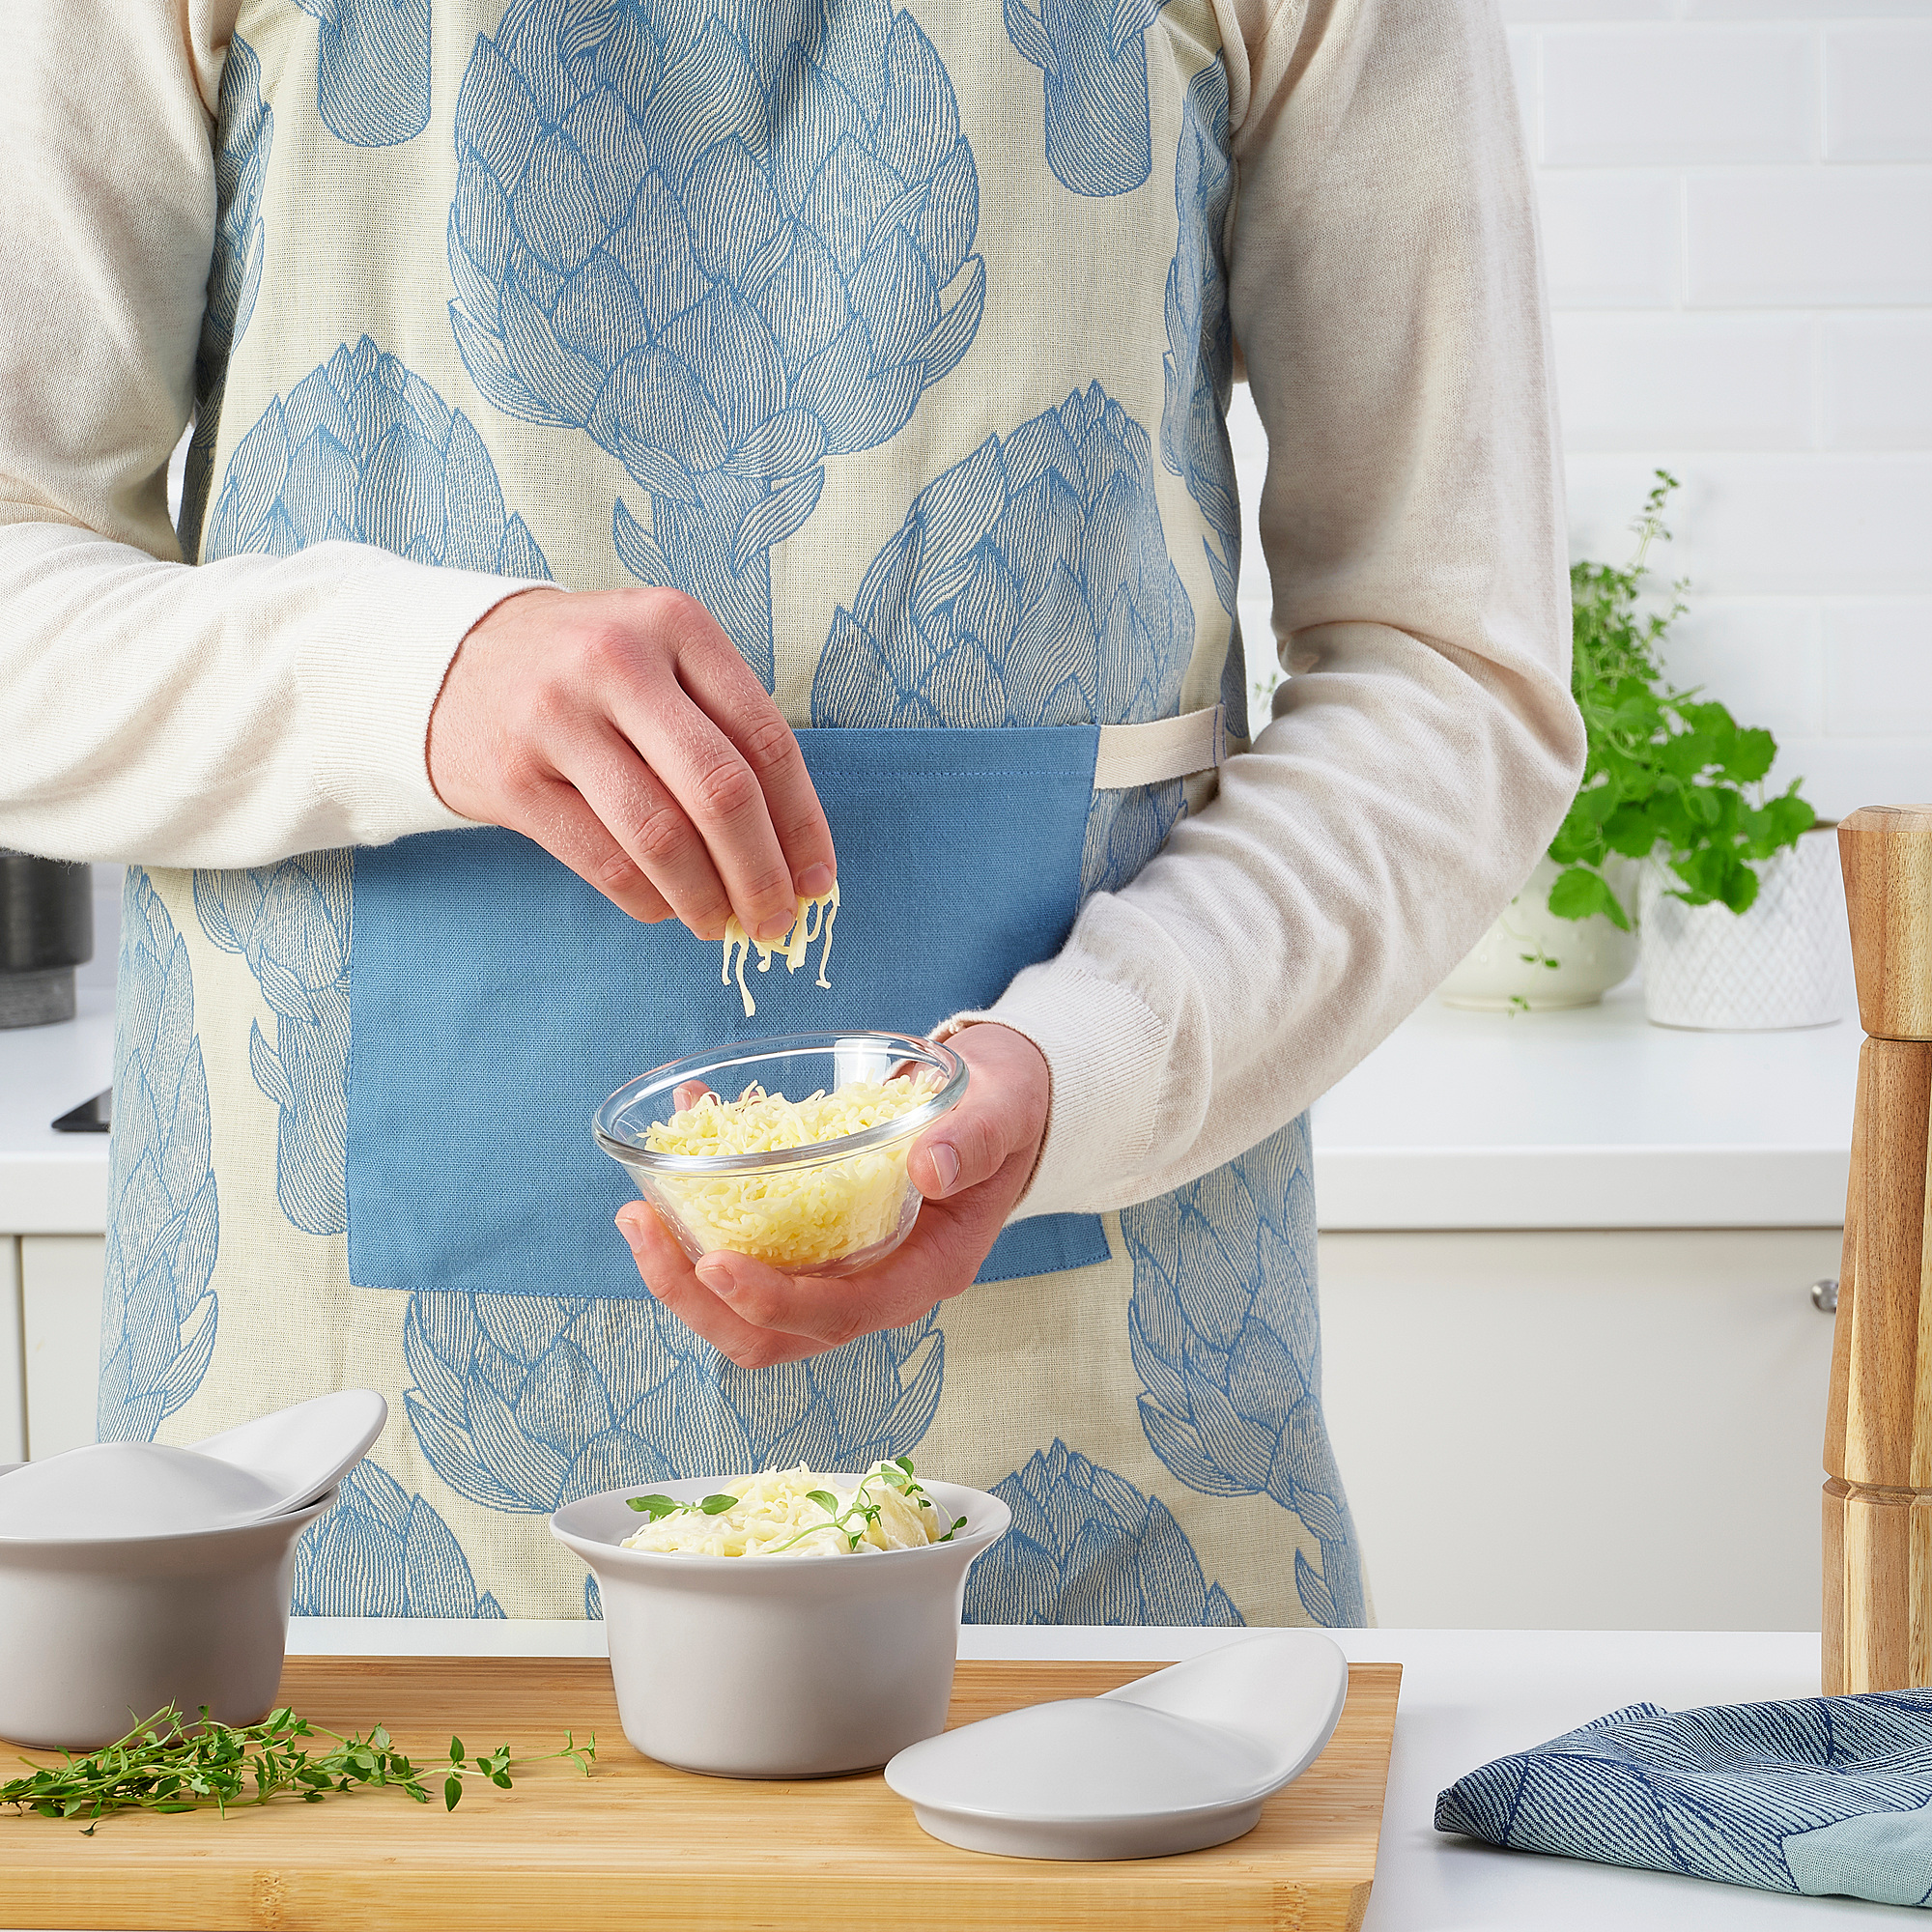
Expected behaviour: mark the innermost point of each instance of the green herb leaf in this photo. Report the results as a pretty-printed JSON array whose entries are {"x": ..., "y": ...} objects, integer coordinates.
[
  {"x": 825, "y": 1500},
  {"x": 452, "y": 1792},
  {"x": 1579, "y": 892},
  {"x": 717, "y": 1505},
  {"x": 653, "y": 1506}
]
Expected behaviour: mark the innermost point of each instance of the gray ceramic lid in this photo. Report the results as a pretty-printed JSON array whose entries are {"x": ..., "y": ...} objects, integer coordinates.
[
  {"x": 306, "y": 1449},
  {"x": 128, "y": 1489},
  {"x": 1181, "y": 1759}
]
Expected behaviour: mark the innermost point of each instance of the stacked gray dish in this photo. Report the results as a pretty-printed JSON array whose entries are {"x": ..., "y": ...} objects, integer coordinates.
[{"x": 135, "y": 1577}]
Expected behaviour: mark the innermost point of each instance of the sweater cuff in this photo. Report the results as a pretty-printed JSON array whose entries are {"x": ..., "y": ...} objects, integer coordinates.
[
  {"x": 369, "y": 684},
  {"x": 1107, "y": 1052}
]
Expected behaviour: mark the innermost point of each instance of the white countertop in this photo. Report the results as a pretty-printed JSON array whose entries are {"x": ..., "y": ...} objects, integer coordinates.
[
  {"x": 1590, "y": 1119},
  {"x": 54, "y": 1183},
  {"x": 1467, "y": 1696}
]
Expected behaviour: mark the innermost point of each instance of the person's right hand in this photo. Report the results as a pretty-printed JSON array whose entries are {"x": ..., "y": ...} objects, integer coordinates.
[{"x": 622, "y": 733}]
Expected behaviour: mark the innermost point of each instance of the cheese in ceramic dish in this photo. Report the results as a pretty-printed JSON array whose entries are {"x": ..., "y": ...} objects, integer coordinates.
[
  {"x": 785, "y": 1513},
  {"x": 794, "y": 1217}
]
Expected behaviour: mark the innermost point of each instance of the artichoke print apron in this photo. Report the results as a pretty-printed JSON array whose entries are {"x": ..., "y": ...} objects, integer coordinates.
[{"x": 897, "y": 334}]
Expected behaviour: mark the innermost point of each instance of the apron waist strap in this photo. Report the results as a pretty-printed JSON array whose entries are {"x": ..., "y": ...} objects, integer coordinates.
[{"x": 1167, "y": 748}]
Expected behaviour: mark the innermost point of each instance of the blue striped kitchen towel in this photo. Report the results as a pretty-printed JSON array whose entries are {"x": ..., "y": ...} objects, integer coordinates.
[{"x": 1818, "y": 1795}]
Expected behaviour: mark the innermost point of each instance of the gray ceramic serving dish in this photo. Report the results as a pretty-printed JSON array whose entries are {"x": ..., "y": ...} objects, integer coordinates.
[
  {"x": 97, "y": 1634},
  {"x": 779, "y": 1666}
]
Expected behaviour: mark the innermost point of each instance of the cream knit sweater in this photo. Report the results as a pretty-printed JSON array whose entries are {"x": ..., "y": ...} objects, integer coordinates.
[{"x": 1385, "y": 291}]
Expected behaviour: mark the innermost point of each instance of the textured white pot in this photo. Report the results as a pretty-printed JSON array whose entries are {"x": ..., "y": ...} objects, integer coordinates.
[
  {"x": 1779, "y": 965},
  {"x": 1591, "y": 955}
]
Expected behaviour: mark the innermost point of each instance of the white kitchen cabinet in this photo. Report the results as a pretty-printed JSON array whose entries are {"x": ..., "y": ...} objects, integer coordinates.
[
  {"x": 12, "y": 1373},
  {"x": 60, "y": 1279},
  {"x": 1617, "y": 1430}
]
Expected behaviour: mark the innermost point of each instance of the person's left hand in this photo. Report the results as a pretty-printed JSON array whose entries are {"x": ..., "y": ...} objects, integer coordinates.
[{"x": 971, "y": 1166}]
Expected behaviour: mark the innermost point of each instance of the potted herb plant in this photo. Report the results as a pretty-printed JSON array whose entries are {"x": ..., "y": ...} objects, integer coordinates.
[{"x": 1670, "y": 812}]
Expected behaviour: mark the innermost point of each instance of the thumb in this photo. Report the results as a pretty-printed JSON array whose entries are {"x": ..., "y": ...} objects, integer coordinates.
[{"x": 969, "y": 1146}]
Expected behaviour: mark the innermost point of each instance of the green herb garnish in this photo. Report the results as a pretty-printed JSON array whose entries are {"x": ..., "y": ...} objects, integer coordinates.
[
  {"x": 657, "y": 1508},
  {"x": 162, "y": 1765}
]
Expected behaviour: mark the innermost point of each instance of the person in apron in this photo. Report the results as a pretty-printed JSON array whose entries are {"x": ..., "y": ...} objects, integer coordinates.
[{"x": 893, "y": 339}]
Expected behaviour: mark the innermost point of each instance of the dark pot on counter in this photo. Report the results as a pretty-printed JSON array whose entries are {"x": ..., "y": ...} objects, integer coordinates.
[{"x": 46, "y": 929}]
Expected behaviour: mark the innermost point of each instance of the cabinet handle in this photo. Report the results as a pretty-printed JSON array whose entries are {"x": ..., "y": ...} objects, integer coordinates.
[{"x": 1825, "y": 1296}]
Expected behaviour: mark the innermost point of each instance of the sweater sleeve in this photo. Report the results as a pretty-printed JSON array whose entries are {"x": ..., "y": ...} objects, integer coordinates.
[
  {"x": 228, "y": 714},
  {"x": 1385, "y": 292}
]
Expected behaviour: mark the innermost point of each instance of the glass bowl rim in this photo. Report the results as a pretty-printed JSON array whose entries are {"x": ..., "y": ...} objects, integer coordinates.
[{"x": 816, "y": 1154}]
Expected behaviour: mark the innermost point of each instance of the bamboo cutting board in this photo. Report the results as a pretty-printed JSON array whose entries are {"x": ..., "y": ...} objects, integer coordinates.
[{"x": 638, "y": 1844}]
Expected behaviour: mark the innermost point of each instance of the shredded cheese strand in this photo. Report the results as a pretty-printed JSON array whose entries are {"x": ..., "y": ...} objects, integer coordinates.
[{"x": 791, "y": 949}]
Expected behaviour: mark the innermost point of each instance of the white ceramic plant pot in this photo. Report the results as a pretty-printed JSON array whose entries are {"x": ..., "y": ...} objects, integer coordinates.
[
  {"x": 1506, "y": 970},
  {"x": 1780, "y": 964}
]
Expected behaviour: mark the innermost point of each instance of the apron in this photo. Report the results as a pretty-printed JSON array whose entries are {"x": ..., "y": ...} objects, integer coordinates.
[{"x": 353, "y": 1090}]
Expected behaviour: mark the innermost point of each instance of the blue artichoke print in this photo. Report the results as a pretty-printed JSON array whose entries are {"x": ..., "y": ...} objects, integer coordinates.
[
  {"x": 523, "y": 1402},
  {"x": 1227, "y": 1343},
  {"x": 725, "y": 238},
  {"x": 383, "y": 1552},
  {"x": 1124, "y": 830},
  {"x": 1088, "y": 1547},
  {"x": 159, "y": 1313},
  {"x": 372, "y": 80},
  {"x": 1100, "y": 132},
  {"x": 291, "y": 923},
  {"x": 1028, "y": 584},
  {"x": 245, "y": 130},
  {"x": 1199, "y": 356},
  {"x": 364, "y": 451}
]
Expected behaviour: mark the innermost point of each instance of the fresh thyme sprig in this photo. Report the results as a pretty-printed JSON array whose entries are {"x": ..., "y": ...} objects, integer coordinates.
[
  {"x": 162, "y": 1765},
  {"x": 852, "y": 1521}
]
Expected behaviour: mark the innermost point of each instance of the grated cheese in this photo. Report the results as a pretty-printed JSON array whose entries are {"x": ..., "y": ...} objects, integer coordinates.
[
  {"x": 777, "y": 1515},
  {"x": 793, "y": 1217},
  {"x": 791, "y": 949}
]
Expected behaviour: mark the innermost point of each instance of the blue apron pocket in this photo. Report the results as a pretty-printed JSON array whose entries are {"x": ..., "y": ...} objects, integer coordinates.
[{"x": 496, "y": 999}]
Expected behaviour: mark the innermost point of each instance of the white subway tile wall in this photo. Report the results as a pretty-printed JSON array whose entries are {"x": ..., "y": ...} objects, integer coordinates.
[
  {"x": 1877, "y": 82},
  {"x": 1736, "y": 205}
]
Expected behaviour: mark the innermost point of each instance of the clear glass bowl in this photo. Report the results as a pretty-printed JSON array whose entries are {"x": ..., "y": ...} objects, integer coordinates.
[{"x": 827, "y": 1208}]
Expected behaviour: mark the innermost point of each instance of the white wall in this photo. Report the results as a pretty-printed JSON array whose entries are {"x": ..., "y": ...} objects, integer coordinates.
[{"x": 1736, "y": 202}]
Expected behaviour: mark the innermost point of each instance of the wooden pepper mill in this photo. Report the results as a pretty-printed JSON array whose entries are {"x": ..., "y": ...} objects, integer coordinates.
[{"x": 1877, "y": 1427}]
